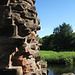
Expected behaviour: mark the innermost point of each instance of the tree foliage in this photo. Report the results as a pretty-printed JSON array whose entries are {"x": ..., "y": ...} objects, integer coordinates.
[
  {"x": 44, "y": 42},
  {"x": 62, "y": 38}
]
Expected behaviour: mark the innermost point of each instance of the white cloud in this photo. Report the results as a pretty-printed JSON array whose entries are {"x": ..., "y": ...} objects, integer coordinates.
[
  {"x": 73, "y": 31},
  {"x": 42, "y": 29}
]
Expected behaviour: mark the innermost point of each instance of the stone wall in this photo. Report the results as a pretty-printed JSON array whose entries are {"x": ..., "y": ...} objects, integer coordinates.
[{"x": 19, "y": 42}]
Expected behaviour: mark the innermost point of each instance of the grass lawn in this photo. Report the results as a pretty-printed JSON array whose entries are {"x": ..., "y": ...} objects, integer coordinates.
[{"x": 52, "y": 57}]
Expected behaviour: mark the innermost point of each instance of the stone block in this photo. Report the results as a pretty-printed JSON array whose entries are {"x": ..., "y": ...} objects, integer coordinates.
[
  {"x": 67, "y": 74},
  {"x": 19, "y": 61},
  {"x": 43, "y": 64},
  {"x": 44, "y": 71},
  {"x": 18, "y": 69}
]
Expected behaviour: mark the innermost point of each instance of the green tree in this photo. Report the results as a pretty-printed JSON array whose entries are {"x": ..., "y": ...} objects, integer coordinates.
[
  {"x": 63, "y": 36},
  {"x": 73, "y": 41},
  {"x": 51, "y": 42},
  {"x": 44, "y": 41},
  {"x": 47, "y": 42}
]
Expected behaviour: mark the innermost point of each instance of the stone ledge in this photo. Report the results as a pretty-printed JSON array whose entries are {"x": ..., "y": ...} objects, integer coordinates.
[{"x": 11, "y": 71}]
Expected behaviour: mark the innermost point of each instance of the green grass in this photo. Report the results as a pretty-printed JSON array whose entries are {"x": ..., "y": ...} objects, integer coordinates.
[{"x": 58, "y": 57}]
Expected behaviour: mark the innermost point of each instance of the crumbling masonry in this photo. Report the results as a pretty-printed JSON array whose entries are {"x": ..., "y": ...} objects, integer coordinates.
[{"x": 19, "y": 47}]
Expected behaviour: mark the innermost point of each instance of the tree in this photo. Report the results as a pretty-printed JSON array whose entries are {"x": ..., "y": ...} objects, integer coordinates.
[
  {"x": 64, "y": 29},
  {"x": 51, "y": 44},
  {"x": 47, "y": 42},
  {"x": 63, "y": 36},
  {"x": 44, "y": 41},
  {"x": 73, "y": 41}
]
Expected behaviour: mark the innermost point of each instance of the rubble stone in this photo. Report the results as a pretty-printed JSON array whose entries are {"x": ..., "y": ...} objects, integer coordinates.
[{"x": 19, "y": 42}]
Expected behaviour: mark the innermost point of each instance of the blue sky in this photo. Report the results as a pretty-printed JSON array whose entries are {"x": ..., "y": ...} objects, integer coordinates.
[{"x": 53, "y": 13}]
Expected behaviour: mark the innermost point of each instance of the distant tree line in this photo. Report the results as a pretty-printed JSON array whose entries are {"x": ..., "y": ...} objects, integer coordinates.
[{"x": 62, "y": 39}]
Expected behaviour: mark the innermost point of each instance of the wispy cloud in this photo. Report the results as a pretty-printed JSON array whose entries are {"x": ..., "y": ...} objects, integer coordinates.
[
  {"x": 42, "y": 29},
  {"x": 73, "y": 31}
]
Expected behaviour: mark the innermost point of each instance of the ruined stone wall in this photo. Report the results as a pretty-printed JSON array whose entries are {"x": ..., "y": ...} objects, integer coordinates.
[{"x": 19, "y": 42}]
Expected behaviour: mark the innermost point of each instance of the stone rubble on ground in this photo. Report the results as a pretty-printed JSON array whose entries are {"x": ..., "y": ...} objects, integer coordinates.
[{"x": 68, "y": 74}]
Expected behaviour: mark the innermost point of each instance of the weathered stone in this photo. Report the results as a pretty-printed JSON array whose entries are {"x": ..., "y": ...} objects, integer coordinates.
[
  {"x": 19, "y": 61},
  {"x": 18, "y": 70},
  {"x": 18, "y": 7},
  {"x": 67, "y": 74},
  {"x": 44, "y": 71},
  {"x": 26, "y": 4},
  {"x": 28, "y": 15},
  {"x": 23, "y": 31},
  {"x": 31, "y": 26},
  {"x": 36, "y": 21},
  {"x": 34, "y": 1},
  {"x": 29, "y": 1},
  {"x": 14, "y": 1},
  {"x": 4, "y": 2},
  {"x": 19, "y": 42},
  {"x": 43, "y": 64},
  {"x": 38, "y": 58},
  {"x": 35, "y": 53},
  {"x": 32, "y": 9}
]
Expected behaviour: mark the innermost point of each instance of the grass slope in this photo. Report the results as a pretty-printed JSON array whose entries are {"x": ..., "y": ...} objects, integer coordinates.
[{"x": 58, "y": 57}]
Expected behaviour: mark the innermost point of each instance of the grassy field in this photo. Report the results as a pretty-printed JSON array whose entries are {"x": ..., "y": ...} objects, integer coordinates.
[{"x": 58, "y": 57}]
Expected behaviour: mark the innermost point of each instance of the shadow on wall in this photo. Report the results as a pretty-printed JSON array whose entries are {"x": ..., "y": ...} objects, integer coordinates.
[{"x": 3, "y": 2}]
